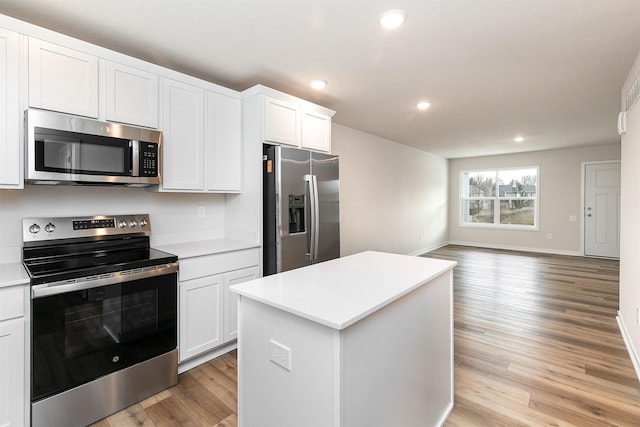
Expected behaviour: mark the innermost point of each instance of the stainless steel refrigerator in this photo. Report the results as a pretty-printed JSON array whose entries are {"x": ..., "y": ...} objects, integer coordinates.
[{"x": 301, "y": 208}]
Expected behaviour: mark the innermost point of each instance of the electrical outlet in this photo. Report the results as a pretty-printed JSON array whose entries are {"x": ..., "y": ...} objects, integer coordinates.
[
  {"x": 573, "y": 218},
  {"x": 202, "y": 212},
  {"x": 549, "y": 236},
  {"x": 638, "y": 315},
  {"x": 280, "y": 354}
]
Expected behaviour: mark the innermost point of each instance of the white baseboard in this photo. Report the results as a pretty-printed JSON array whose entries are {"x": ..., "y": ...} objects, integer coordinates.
[
  {"x": 635, "y": 359},
  {"x": 518, "y": 248},
  {"x": 428, "y": 249},
  {"x": 203, "y": 358}
]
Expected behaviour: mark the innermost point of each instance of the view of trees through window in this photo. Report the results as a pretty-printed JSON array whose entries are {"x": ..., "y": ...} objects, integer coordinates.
[{"x": 505, "y": 197}]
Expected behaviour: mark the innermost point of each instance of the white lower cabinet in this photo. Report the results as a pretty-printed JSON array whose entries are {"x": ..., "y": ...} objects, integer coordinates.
[
  {"x": 231, "y": 300},
  {"x": 200, "y": 315},
  {"x": 12, "y": 357},
  {"x": 207, "y": 310}
]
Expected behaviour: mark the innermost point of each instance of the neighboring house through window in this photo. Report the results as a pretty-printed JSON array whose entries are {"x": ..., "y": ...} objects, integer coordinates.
[{"x": 503, "y": 198}]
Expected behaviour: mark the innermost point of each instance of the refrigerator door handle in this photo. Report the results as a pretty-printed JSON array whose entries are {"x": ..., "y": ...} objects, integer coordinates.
[
  {"x": 313, "y": 217},
  {"x": 308, "y": 218}
]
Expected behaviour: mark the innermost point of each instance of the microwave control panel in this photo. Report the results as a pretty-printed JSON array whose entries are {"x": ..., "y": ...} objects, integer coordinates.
[{"x": 148, "y": 159}]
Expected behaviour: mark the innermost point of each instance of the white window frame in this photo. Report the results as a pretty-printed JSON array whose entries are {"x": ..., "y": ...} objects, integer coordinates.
[{"x": 497, "y": 199}]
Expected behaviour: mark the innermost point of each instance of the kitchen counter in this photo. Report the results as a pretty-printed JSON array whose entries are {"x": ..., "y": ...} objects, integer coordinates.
[
  {"x": 361, "y": 340},
  {"x": 206, "y": 247},
  {"x": 12, "y": 274},
  {"x": 340, "y": 292}
]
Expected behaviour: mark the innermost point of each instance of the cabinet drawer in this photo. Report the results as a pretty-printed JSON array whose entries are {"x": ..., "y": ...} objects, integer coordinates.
[
  {"x": 11, "y": 302},
  {"x": 208, "y": 265}
]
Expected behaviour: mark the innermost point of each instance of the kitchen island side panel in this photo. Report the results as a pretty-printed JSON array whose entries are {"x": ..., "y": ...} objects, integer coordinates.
[
  {"x": 398, "y": 362},
  {"x": 270, "y": 395},
  {"x": 391, "y": 368}
]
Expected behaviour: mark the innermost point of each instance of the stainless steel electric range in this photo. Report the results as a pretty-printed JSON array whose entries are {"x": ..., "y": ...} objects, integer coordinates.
[{"x": 103, "y": 316}]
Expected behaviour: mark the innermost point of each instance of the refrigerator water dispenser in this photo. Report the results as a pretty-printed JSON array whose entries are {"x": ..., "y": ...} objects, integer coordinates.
[{"x": 296, "y": 214}]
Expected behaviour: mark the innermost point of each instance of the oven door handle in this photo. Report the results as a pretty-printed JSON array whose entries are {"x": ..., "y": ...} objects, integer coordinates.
[{"x": 56, "y": 288}]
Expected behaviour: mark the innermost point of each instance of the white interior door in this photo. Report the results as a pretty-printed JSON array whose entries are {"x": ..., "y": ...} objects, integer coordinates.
[{"x": 602, "y": 210}]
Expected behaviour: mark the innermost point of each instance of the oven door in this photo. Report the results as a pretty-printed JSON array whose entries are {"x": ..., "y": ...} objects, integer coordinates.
[{"x": 80, "y": 332}]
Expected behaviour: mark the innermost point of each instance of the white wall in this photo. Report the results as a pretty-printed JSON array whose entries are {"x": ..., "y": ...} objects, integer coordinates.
[
  {"x": 560, "y": 187},
  {"x": 393, "y": 198},
  {"x": 174, "y": 217},
  {"x": 630, "y": 226}
]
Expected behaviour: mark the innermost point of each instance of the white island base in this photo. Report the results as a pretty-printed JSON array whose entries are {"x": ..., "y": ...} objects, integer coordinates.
[{"x": 364, "y": 340}]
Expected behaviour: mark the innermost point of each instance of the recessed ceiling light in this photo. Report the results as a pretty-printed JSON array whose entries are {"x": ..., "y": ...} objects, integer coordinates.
[
  {"x": 318, "y": 84},
  {"x": 393, "y": 18},
  {"x": 518, "y": 138},
  {"x": 423, "y": 105}
]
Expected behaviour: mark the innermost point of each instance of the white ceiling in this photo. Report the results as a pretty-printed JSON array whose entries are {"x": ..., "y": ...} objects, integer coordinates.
[{"x": 550, "y": 70}]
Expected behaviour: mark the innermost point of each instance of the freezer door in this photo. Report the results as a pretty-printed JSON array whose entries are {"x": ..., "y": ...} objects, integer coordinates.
[
  {"x": 325, "y": 167},
  {"x": 293, "y": 221}
]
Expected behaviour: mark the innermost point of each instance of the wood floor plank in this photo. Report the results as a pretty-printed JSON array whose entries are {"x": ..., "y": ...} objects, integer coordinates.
[
  {"x": 536, "y": 343},
  {"x": 170, "y": 412},
  {"x": 218, "y": 383},
  {"x": 133, "y": 416},
  {"x": 199, "y": 402}
]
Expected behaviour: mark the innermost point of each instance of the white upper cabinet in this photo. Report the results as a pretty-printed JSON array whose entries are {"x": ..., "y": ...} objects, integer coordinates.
[
  {"x": 62, "y": 79},
  {"x": 74, "y": 82},
  {"x": 183, "y": 136},
  {"x": 201, "y": 139},
  {"x": 10, "y": 144},
  {"x": 131, "y": 95},
  {"x": 287, "y": 120},
  {"x": 316, "y": 130},
  {"x": 223, "y": 143},
  {"x": 282, "y": 122}
]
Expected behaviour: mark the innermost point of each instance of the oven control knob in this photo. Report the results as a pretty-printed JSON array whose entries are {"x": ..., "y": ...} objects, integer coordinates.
[
  {"x": 133, "y": 223},
  {"x": 143, "y": 222},
  {"x": 122, "y": 223},
  {"x": 50, "y": 228},
  {"x": 35, "y": 228}
]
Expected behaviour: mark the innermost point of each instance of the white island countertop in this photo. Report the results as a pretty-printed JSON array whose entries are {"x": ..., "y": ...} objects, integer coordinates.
[{"x": 340, "y": 292}]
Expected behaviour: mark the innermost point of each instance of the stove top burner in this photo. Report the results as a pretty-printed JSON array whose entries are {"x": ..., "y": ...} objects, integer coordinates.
[{"x": 58, "y": 249}]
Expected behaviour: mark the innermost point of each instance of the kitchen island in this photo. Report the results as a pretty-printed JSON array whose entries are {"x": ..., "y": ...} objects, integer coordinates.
[{"x": 364, "y": 340}]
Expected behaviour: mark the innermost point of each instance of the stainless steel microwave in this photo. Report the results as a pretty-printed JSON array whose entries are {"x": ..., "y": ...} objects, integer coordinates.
[{"x": 64, "y": 149}]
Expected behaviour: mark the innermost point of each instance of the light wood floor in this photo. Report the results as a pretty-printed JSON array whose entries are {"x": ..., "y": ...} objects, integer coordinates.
[{"x": 536, "y": 344}]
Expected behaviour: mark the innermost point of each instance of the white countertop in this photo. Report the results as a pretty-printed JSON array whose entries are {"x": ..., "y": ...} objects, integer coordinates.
[
  {"x": 12, "y": 274},
  {"x": 340, "y": 292},
  {"x": 206, "y": 247}
]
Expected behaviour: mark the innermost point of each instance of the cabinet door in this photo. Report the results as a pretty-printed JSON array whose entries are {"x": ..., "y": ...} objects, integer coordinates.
[
  {"x": 282, "y": 122},
  {"x": 131, "y": 95},
  {"x": 10, "y": 145},
  {"x": 200, "y": 315},
  {"x": 316, "y": 131},
  {"x": 183, "y": 136},
  {"x": 62, "y": 79},
  {"x": 231, "y": 299},
  {"x": 12, "y": 375},
  {"x": 224, "y": 161}
]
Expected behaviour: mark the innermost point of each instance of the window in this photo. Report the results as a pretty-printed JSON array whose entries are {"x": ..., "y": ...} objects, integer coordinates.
[{"x": 505, "y": 198}]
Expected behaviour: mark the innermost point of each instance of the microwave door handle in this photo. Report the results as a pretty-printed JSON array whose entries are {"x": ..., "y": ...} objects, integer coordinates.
[{"x": 134, "y": 147}]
